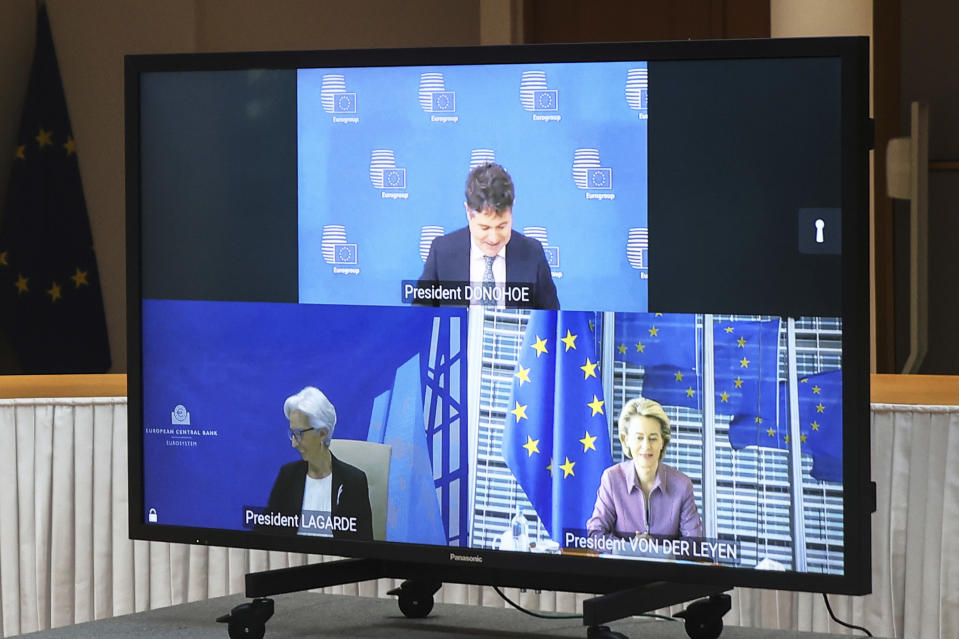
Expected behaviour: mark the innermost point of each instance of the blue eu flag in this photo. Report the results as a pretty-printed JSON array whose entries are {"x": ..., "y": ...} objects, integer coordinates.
[
  {"x": 672, "y": 386},
  {"x": 820, "y": 425},
  {"x": 746, "y": 365},
  {"x": 49, "y": 285},
  {"x": 556, "y": 438},
  {"x": 656, "y": 339},
  {"x": 820, "y": 418}
]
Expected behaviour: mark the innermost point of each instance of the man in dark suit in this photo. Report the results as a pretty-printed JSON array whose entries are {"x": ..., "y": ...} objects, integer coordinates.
[
  {"x": 488, "y": 252},
  {"x": 319, "y": 485}
]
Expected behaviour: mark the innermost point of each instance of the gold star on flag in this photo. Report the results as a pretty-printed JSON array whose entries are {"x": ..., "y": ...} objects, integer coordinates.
[
  {"x": 522, "y": 374},
  {"x": 20, "y": 152},
  {"x": 724, "y": 397},
  {"x": 771, "y": 432},
  {"x": 531, "y": 445},
  {"x": 592, "y": 326},
  {"x": 588, "y": 442},
  {"x": 54, "y": 292},
  {"x": 70, "y": 146},
  {"x": 21, "y": 284},
  {"x": 729, "y": 329},
  {"x": 804, "y": 380},
  {"x": 568, "y": 468},
  {"x": 741, "y": 342},
  {"x": 569, "y": 340},
  {"x": 44, "y": 138},
  {"x": 657, "y": 314},
  {"x": 640, "y": 347},
  {"x": 596, "y": 405},
  {"x": 549, "y": 466},
  {"x": 3, "y": 258},
  {"x": 744, "y": 363},
  {"x": 815, "y": 425},
  {"x": 79, "y": 278},
  {"x": 738, "y": 382},
  {"x": 622, "y": 349},
  {"x": 678, "y": 375},
  {"x": 820, "y": 408},
  {"x": 653, "y": 331},
  {"x": 816, "y": 390},
  {"x": 758, "y": 419},
  {"x": 539, "y": 346},
  {"x": 589, "y": 369},
  {"x": 802, "y": 437},
  {"x": 519, "y": 412},
  {"x": 690, "y": 392},
  {"x": 786, "y": 439}
]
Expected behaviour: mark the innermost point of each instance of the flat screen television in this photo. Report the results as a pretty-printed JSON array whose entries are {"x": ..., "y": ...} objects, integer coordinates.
[{"x": 392, "y": 304}]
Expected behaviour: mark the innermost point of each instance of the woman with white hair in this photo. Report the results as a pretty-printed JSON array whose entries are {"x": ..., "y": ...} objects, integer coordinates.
[
  {"x": 643, "y": 496},
  {"x": 321, "y": 494}
]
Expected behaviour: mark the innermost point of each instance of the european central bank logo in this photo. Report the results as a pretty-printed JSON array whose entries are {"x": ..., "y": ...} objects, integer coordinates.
[
  {"x": 637, "y": 248},
  {"x": 637, "y": 91},
  {"x": 180, "y": 416},
  {"x": 336, "y": 250},
  {"x": 590, "y": 174},
  {"x": 427, "y": 235},
  {"x": 536, "y": 96},
  {"x": 552, "y": 252},
  {"x": 337, "y": 100},
  {"x": 385, "y": 175},
  {"x": 480, "y": 157},
  {"x": 435, "y": 99}
]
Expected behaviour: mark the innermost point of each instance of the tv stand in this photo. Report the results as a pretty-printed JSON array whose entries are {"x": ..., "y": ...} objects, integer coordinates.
[{"x": 622, "y": 598}]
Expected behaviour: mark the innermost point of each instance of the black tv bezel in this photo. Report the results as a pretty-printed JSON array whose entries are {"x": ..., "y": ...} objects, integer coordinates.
[{"x": 583, "y": 574}]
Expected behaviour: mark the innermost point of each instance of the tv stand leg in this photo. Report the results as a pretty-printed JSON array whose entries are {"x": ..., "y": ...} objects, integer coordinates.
[
  {"x": 704, "y": 619},
  {"x": 248, "y": 621}
]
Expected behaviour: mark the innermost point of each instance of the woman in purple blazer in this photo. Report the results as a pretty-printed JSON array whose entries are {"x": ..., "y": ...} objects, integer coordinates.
[{"x": 643, "y": 496}]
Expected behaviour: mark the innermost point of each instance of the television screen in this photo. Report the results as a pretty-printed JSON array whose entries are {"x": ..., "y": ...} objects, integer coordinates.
[{"x": 558, "y": 309}]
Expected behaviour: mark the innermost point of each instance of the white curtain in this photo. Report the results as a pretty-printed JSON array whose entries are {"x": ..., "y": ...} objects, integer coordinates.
[{"x": 65, "y": 557}]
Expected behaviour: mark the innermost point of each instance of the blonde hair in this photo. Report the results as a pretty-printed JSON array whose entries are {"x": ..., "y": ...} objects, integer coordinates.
[{"x": 642, "y": 407}]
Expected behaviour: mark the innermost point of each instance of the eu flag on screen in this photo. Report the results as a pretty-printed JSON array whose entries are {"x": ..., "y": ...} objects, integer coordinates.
[
  {"x": 746, "y": 365},
  {"x": 820, "y": 425},
  {"x": 556, "y": 438},
  {"x": 656, "y": 339},
  {"x": 820, "y": 416},
  {"x": 672, "y": 386},
  {"x": 49, "y": 285}
]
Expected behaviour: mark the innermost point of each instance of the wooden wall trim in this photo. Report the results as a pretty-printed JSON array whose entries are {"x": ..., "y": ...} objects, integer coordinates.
[
  {"x": 26, "y": 386},
  {"x": 929, "y": 390}
]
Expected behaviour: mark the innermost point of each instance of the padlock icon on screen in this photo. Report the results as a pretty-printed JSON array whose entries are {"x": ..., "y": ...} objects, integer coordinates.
[{"x": 152, "y": 516}]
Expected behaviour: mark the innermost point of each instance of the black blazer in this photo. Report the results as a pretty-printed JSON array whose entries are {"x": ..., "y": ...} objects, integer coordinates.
[
  {"x": 349, "y": 497},
  {"x": 526, "y": 263}
]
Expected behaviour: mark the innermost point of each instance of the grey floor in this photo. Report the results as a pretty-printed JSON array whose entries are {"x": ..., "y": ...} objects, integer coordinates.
[{"x": 315, "y": 615}]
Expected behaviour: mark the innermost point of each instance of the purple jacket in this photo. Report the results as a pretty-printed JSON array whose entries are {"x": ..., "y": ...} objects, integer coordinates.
[{"x": 621, "y": 508}]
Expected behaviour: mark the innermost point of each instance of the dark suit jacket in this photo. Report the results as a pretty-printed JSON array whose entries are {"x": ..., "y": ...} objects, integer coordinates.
[
  {"x": 448, "y": 261},
  {"x": 349, "y": 497}
]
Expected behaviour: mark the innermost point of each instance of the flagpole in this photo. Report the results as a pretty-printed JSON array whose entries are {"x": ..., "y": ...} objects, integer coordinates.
[
  {"x": 710, "y": 525},
  {"x": 606, "y": 368},
  {"x": 474, "y": 371},
  {"x": 795, "y": 452}
]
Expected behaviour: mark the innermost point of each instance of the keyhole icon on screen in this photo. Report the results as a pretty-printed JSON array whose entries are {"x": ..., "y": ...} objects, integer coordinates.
[{"x": 820, "y": 225}]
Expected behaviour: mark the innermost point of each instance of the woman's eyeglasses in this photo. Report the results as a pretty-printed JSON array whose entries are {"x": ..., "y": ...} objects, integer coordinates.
[{"x": 297, "y": 435}]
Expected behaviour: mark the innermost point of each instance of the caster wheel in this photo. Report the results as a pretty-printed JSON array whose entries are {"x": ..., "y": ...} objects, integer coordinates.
[
  {"x": 248, "y": 621},
  {"x": 704, "y": 627},
  {"x": 415, "y": 606},
  {"x": 248, "y": 630}
]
